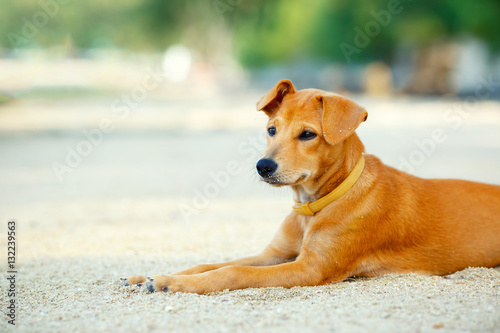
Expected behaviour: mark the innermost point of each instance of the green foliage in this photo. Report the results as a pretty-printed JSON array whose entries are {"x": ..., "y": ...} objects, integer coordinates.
[
  {"x": 263, "y": 32},
  {"x": 276, "y": 31}
]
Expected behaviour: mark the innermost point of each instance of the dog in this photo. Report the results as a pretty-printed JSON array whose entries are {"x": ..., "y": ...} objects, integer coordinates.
[{"x": 353, "y": 215}]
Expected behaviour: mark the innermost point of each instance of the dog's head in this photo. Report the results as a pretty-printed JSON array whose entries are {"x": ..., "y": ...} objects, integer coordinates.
[{"x": 306, "y": 132}]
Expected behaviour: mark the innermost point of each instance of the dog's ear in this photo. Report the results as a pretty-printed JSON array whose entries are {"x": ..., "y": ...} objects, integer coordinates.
[
  {"x": 273, "y": 99},
  {"x": 341, "y": 117}
]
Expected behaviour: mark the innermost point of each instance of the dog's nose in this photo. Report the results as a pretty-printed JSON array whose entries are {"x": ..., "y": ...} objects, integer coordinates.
[{"x": 266, "y": 167}]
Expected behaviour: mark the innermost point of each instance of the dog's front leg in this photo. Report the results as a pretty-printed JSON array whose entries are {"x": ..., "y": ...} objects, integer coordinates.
[
  {"x": 267, "y": 258},
  {"x": 309, "y": 269},
  {"x": 284, "y": 247},
  {"x": 270, "y": 256}
]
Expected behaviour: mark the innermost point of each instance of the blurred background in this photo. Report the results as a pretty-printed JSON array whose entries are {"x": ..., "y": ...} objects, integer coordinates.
[{"x": 155, "y": 100}]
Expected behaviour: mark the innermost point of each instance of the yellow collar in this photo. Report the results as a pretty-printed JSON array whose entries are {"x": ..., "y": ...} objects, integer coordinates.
[{"x": 311, "y": 208}]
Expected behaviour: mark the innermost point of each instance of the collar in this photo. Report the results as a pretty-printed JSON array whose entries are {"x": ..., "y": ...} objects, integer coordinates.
[{"x": 311, "y": 208}]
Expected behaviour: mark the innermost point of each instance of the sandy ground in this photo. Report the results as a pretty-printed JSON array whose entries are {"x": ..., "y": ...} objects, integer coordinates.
[{"x": 123, "y": 211}]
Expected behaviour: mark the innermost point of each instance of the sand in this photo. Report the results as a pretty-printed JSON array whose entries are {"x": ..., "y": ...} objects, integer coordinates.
[{"x": 119, "y": 213}]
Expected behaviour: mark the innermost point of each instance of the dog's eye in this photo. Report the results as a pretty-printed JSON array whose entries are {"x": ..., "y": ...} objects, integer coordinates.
[
  {"x": 306, "y": 135},
  {"x": 271, "y": 131}
]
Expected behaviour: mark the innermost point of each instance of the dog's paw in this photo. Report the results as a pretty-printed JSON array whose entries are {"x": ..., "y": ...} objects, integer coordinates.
[
  {"x": 133, "y": 280},
  {"x": 176, "y": 283},
  {"x": 158, "y": 283}
]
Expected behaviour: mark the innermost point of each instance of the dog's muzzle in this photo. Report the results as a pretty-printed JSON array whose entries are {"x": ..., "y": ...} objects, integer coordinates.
[{"x": 266, "y": 167}]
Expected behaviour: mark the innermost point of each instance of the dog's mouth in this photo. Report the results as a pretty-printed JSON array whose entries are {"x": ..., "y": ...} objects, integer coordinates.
[{"x": 287, "y": 179}]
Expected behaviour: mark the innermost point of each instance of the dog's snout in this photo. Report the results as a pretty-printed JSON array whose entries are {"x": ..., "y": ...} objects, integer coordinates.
[{"x": 266, "y": 167}]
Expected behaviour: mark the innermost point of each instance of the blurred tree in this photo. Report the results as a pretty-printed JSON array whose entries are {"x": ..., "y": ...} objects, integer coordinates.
[
  {"x": 90, "y": 23},
  {"x": 275, "y": 31},
  {"x": 263, "y": 32}
]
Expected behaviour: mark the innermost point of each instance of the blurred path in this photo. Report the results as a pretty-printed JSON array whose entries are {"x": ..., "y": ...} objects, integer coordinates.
[{"x": 174, "y": 146}]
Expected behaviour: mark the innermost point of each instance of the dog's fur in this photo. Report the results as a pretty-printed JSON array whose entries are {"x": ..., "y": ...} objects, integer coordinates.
[{"x": 389, "y": 221}]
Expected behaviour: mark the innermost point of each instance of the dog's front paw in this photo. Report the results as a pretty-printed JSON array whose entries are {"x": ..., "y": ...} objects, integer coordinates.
[
  {"x": 132, "y": 280},
  {"x": 178, "y": 283},
  {"x": 158, "y": 283}
]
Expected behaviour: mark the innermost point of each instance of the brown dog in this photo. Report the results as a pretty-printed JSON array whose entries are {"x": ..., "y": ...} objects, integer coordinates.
[{"x": 354, "y": 215}]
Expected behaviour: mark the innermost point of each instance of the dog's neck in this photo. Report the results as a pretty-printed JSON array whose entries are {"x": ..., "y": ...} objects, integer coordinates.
[{"x": 334, "y": 173}]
